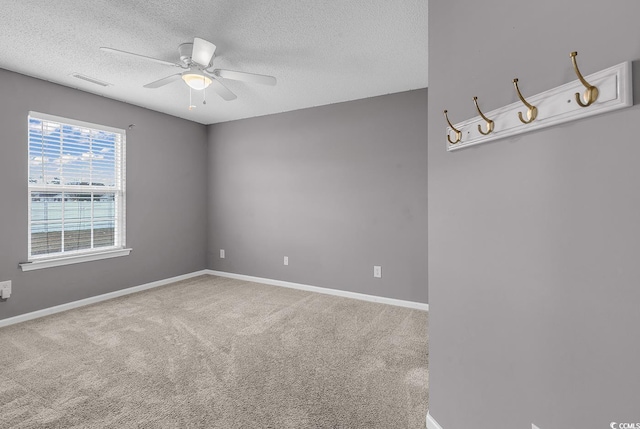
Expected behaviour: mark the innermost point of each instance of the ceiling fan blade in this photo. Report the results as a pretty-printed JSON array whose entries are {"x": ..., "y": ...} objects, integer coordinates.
[
  {"x": 246, "y": 77},
  {"x": 220, "y": 89},
  {"x": 202, "y": 51},
  {"x": 131, "y": 54},
  {"x": 164, "y": 81}
]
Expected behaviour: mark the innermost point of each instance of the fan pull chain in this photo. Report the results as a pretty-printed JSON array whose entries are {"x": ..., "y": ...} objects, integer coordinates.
[
  {"x": 204, "y": 91},
  {"x": 191, "y": 105}
]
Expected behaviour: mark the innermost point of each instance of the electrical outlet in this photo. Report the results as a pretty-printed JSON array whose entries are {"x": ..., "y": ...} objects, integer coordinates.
[
  {"x": 221, "y": 253},
  {"x": 5, "y": 289},
  {"x": 286, "y": 260},
  {"x": 377, "y": 271}
]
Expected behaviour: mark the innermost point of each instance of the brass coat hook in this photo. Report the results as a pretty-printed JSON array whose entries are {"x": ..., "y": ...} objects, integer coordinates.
[
  {"x": 591, "y": 94},
  {"x": 532, "y": 111},
  {"x": 458, "y": 132},
  {"x": 487, "y": 120}
]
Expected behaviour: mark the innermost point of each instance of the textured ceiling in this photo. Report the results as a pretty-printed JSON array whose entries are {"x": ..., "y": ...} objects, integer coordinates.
[{"x": 321, "y": 51}]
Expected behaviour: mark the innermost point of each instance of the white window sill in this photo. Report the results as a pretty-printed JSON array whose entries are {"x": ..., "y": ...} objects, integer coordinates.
[{"x": 38, "y": 264}]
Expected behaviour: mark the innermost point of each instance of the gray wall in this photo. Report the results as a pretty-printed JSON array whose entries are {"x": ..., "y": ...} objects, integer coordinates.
[
  {"x": 337, "y": 189},
  {"x": 166, "y": 196},
  {"x": 533, "y": 241}
]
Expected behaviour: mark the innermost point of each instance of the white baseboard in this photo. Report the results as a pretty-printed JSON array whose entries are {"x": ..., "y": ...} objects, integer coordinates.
[
  {"x": 134, "y": 289},
  {"x": 432, "y": 423},
  {"x": 327, "y": 291},
  {"x": 95, "y": 299}
]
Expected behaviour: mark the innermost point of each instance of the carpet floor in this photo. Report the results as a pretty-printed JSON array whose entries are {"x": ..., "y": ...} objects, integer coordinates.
[{"x": 212, "y": 352}]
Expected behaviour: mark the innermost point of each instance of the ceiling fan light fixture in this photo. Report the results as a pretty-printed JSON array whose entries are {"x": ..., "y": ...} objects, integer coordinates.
[{"x": 196, "y": 81}]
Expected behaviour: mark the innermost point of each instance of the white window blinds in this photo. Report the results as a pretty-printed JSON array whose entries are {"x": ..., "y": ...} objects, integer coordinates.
[{"x": 76, "y": 187}]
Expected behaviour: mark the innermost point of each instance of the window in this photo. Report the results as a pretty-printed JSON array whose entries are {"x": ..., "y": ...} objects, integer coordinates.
[{"x": 76, "y": 191}]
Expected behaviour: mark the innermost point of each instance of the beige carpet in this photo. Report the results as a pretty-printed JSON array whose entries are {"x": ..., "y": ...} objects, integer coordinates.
[{"x": 211, "y": 352}]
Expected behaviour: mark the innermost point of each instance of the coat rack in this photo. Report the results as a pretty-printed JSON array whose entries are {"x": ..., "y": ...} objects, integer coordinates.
[{"x": 600, "y": 92}]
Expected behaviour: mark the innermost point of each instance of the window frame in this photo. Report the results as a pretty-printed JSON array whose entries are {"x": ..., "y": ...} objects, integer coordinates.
[{"x": 82, "y": 255}]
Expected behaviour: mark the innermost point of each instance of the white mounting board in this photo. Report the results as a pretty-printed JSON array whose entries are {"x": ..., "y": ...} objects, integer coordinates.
[{"x": 555, "y": 106}]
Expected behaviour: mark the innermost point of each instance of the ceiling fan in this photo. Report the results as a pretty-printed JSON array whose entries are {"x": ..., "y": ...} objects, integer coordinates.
[{"x": 196, "y": 69}]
